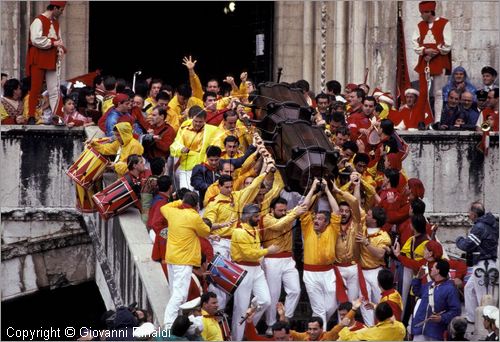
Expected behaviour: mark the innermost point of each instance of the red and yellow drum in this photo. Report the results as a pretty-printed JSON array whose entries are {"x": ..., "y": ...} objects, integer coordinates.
[
  {"x": 88, "y": 168},
  {"x": 84, "y": 202},
  {"x": 115, "y": 198},
  {"x": 225, "y": 274}
]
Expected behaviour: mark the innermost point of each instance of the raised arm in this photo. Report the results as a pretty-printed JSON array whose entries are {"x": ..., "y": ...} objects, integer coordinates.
[
  {"x": 331, "y": 200},
  {"x": 308, "y": 201}
]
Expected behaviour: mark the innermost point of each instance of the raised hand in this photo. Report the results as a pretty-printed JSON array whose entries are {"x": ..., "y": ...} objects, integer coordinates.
[{"x": 189, "y": 63}]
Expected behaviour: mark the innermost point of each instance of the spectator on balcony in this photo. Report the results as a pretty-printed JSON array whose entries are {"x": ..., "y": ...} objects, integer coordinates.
[
  {"x": 11, "y": 104},
  {"x": 469, "y": 109},
  {"x": 489, "y": 78},
  {"x": 490, "y": 113},
  {"x": 458, "y": 81},
  {"x": 450, "y": 111},
  {"x": 72, "y": 118},
  {"x": 482, "y": 99}
]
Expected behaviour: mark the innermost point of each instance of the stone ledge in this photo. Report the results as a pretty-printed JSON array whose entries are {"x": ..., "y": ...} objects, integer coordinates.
[{"x": 10, "y": 131}]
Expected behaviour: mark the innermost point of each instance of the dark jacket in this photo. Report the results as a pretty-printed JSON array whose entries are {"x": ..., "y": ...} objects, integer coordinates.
[
  {"x": 482, "y": 238},
  {"x": 202, "y": 176},
  {"x": 124, "y": 324},
  {"x": 446, "y": 298}
]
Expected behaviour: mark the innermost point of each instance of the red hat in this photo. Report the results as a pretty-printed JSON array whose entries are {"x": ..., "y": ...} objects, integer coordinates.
[
  {"x": 395, "y": 160},
  {"x": 351, "y": 86},
  {"x": 119, "y": 98},
  {"x": 436, "y": 249},
  {"x": 387, "y": 98},
  {"x": 427, "y": 6},
  {"x": 416, "y": 187},
  {"x": 58, "y": 3}
]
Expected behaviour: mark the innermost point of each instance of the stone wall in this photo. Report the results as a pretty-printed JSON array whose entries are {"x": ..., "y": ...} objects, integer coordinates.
[{"x": 362, "y": 34}]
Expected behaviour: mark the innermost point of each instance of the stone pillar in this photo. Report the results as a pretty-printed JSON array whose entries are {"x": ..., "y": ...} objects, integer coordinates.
[{"x": 10, "y": 28}]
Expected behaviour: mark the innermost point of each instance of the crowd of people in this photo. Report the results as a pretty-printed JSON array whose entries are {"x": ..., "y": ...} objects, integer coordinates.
[{"x": 209, "y": 188}]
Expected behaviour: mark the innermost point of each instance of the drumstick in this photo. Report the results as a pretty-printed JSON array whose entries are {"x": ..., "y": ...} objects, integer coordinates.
[{"x": 427, "y": 319}]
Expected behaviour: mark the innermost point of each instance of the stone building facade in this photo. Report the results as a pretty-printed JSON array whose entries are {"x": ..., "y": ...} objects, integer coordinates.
[{"x": 360, "y": 35}]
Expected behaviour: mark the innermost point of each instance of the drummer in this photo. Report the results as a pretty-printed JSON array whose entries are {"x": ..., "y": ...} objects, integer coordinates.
[{"x": 123, "y": 145}]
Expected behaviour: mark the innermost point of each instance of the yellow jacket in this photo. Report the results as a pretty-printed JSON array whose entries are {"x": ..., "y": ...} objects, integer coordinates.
[
  {"x": 211, "y": 328},
  {"x": 224, "y": 208},
  {"x": 245, "y": 244},
  {"x": 384, "y": 331},
  {"x": 130, "y": 146},
  {"x": 319, "y": 249},
  {"x": 184, "y": 227},
  {"x": 197, "y": 142}
]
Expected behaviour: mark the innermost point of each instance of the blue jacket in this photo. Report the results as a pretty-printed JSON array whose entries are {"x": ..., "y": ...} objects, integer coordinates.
[
  {"x": 482, "y": 238},
  {"x": 112, "y": 120},
  {"x": 446, "y": 298}
]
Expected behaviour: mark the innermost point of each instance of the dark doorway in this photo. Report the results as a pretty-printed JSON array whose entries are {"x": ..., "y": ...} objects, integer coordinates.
[
  {"x": 73, "y": 306},
  {"x": 154, "y": 36}
]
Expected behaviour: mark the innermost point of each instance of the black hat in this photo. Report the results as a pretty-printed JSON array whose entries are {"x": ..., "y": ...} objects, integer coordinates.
[
  {"x": 489, "y": 70},
  {"x": 482, "y": 95}
]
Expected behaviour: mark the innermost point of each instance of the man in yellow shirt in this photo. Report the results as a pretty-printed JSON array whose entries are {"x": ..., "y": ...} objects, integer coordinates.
[
  {"x": 211, "y": 328},
  {"x": 123, "y": 145},
  {"x": 347, "y": 250},
  {"x": 229, "y": 127},
  {"x": 280, "y": 267},
  {"x": 374, "y": 243},
  {"x": 319, "y": 233},
  {"x": 190, "y": 146},
  {"x": 185, "y": 226},
  {"x": 388, "y": 329},
  {"x": 224, "y": 210},
  {"x": 247, "y": 253}
]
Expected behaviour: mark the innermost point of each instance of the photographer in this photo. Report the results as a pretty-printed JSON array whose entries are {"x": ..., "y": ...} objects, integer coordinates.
[{"x": 160, "y": 136}]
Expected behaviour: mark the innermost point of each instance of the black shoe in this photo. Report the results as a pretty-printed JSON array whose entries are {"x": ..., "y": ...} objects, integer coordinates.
[{"x": 31, "y": 120}]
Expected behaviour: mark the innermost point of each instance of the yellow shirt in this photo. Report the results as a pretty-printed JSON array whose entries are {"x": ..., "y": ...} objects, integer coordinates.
[
  {"x": 197, "y": 143},
  {"x": 377, "y": 239},
  {"x": 224, "y": 208},
  {"x": 279, "y": 231},
  {"x": 384, "y": 331},
  {"x": 184, "y": 228},
  {"x": 212, "y": 192},
  {"x": 418, "y": 252},
  {"x": 211, "y": 328},
  {"x": 130, "y": 146},
  {"x": 274, "y": 192},
  {"x": 245, "y": 244},
  {"x": 149, "y": 101},
  {"x": 346, "y": 247},
  {"x": 244, "y": 138},
  {"x": 319, "y": 249}
]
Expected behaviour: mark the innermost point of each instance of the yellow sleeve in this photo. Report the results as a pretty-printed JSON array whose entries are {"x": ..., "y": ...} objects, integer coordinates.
[
  {"x": 354, "y": 204},
  {"x": 107, "y": 149},
  {"x": 238, "y": 183},
  {"x": 223, "y": 103},
  {"x": 177, "y": 145},
  {"x": 211, "y": 212},
  {"x": 248, "y": 164},
  {"x": 305, "y": 220},
  {"x": 333, "y": 334},
  {"x": 200, "y": 227},
  {"x": 278, "y": 185},
  {"x": 298, "y": 336},
  {"x": 195, "y": 83},
  {"x": 278, "y": 224},
  {"x": 348, "y": 335},
  {"x": 248, "y": 194},
  {"x": 3, "y": 112},
  {"x": 243, "y": 88}
]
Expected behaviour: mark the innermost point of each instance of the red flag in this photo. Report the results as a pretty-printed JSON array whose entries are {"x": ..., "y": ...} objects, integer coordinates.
[
  {"x": 87, "y": 79},
  {"x": 402, "y": 76}
]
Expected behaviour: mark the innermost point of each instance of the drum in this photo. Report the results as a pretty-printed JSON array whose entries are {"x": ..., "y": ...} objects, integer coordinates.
[
  {"x": 84, "y": 202},
  {"x": 115, "y": 198},
  {"x": 224, "y": 274},
  {"x": 88, "y": 168}
]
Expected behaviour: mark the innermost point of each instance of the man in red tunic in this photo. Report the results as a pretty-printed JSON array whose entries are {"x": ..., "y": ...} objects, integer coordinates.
[
  {"x": 44, "y": 46},
  {"x": 432, "y": 42}
]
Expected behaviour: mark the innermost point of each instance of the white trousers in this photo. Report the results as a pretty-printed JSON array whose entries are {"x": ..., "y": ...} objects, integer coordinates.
[
  {"x": 185, "y": 179},
  {"x": 422, "y": 338},
  {"x": 474, "y": 292},
  {"x": 320, "y": 288},
  {"x": 438, "y": 83},
  {"x": 223, "y": 248},
  {"x": 405, "y": 293},
  {"x": 51, "y": 80},
  {"x": 179, "y": 289},
  {"x": 281, "y": 271},
  {"x": 351, "y": 281},
  {"x": 374, "y": 294},
  {"x": 254, "y": 282}
]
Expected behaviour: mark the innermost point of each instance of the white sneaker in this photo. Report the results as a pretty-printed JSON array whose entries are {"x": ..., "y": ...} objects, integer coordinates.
[{"x": 269, "y": 332}]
